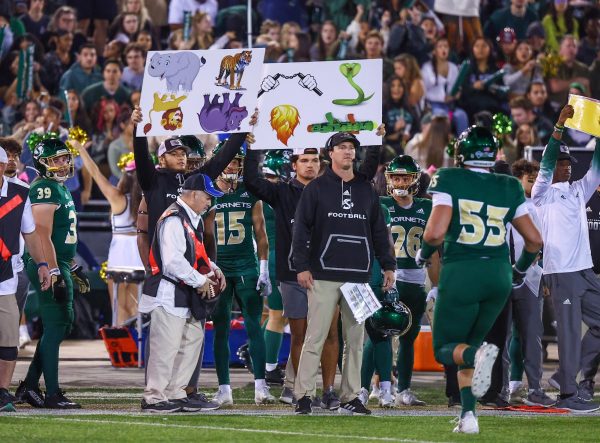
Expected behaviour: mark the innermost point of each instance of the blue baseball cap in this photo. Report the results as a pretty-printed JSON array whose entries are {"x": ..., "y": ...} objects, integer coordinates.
[{"x": 201, "y": 182}]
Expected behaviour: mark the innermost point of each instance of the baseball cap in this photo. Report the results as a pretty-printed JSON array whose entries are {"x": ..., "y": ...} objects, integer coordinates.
[
  {"x": 302, "y": 151},
  {"x": 578, "y": 86},
  {"x": 564, "y": 154},
  {"x": 201, "y": 182},
  {"x": 507, "y": 35},
  {"x": 3, "y": 156},
  {"x": 535, "y": 29},
  {"x": 171, "y": 144},
  {"x": 341, "y": 137}
]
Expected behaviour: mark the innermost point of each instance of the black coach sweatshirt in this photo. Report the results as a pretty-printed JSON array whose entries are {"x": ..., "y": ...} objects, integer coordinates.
[
  {"x": 283, "y": 198},
  {"x": 339, "y": 229},
  {"x": 162, "y": 186}
]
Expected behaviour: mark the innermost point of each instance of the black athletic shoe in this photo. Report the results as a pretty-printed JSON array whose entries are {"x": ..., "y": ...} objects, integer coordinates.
[
  {"x": 35, "y": 396},
  {"x": 303, "y": 407},
  {"x": 354, "y": 407},
  {"x": 59, "y": 401},
  {"x": 274, "y": 377},
  {"x": 494, "y": 402},
  {"x": 243, "y": 354},
  {"x": 162, "y": 406},
  {"x": 6, "y": 401},
  {"x": 195, "y": 405}
]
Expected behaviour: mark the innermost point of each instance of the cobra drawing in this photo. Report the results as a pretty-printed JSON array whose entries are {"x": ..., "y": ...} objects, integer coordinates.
[{"x": 351, "y": 70}]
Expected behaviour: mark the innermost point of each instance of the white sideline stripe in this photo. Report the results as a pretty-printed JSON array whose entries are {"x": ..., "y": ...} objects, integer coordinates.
[{"x": 227, "y": 428}]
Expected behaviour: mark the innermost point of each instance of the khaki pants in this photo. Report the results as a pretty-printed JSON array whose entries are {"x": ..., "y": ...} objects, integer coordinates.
[
  {"x": 322, "y": 302},
  {"x": 175, "y": 344}
]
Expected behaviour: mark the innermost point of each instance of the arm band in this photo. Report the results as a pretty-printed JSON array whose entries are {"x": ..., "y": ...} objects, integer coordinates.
[
  {"x": 525, "y": 260},
  {"x": 427, "y": 250},
  {"x": 42, "y": 263}
]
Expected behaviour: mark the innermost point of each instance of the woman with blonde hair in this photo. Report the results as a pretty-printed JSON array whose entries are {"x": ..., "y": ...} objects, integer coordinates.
[{"x": 407, "y": 68}]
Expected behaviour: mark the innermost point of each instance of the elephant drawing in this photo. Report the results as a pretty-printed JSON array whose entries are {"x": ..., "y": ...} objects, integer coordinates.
[
  {"x": 179, "y": 69},
  {"x": 222, "y": 117}
]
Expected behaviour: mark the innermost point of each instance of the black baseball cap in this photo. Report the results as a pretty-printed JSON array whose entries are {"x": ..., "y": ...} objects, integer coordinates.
[
  {"x": 341, "y": 137},
  {"x": 201, "y": 182},
  {"x": 171, "y": 144},
  {"x": 564, "y": 154}
]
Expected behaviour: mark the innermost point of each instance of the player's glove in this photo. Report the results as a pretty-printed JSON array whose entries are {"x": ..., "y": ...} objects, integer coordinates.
[
  {"x": 80, "y": 279},
  {"x": 59, "y": 288},
  {"x": 518, "y": 279},
  {"x": 263, "y": 285},
  {"x": 432, "y": 295},
  {"x": 422, "y": 262}
]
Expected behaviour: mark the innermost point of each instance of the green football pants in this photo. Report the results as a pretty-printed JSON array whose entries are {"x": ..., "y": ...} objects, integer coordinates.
[
  {"x": 243, "y": 288},
  {"x": 377, "y": 354},
  {"x": 466, "y": 310},
  {"x": 57, "y": 319}
]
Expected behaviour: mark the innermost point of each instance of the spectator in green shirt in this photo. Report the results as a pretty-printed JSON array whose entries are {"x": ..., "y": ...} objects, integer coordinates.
[
  {"x": 109, "y": 88},
  {"x": 559, "y": 22},
  {"x": 83, "y": 73}
]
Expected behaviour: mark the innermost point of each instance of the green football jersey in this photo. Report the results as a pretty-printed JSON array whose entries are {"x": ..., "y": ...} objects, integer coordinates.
[
  {"x": 407, "y": 227},
  {"x": 482, "y": 205},
  {"x": 64, "y": 225},
  {"x": 234, "y": 231},
  {"x": 376, "y": 275}
]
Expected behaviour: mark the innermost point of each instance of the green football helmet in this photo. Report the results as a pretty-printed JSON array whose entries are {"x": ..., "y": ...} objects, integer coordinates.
[
  {"x": 403, "y": 165},
  {"x": 275, "y": 162},
  {"x": 477, "y": 147},
  {"x": 394, "y": 318},
  {"x": 230, "y": 176},
  {"x": 197, "y": 156},
  {"x": 45, "y": 155}
]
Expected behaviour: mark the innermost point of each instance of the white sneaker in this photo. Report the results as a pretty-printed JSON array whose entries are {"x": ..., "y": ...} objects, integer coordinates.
[
  {"x": 386, "y": 399},
  {"x": 223, "y": 397},
  {"x": 375, "y": 392},
  {"x": 514, "y": 386},
  {"x": 408, "y": 398},
  {"x": 482, "y": 374},
  {"x": 363, "y": 396},
  {"x": 262, "y": 396},
  {"x": 467, "y": 424},
  {"x": 24, "y": 340}
]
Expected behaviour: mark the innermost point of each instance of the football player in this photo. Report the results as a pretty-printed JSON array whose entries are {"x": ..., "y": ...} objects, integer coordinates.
[
  {"x": 237, "y": 216},
  {"x": 56, "y": 222},
  {"x": 471, "y": 207},
  {"x": 408, "y": 217},
  {"x": 273, "y": 170},
  {"x": 197, "y": 155}
]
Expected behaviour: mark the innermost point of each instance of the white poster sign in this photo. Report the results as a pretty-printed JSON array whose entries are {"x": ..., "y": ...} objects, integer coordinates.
[
  {"x": 200, "y": 92},
  {"x": 361, "y": 299},
  {"x": 302, "y": 104}
]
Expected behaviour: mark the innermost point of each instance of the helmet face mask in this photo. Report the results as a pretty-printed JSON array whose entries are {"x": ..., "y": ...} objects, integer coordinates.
[
  {"x": 194, "y": 162},
  {"x": 402, "y": 176},
  {"x": 476, "y": 147},
  {"x": 53, "y": 160}
]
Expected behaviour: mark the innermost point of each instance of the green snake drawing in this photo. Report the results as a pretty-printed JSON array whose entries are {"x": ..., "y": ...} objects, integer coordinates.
[{"x": 351, "y": 70}]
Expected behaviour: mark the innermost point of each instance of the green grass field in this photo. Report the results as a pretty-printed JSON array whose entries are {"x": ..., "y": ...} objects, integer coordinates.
[{"x": 113, "y": 415}]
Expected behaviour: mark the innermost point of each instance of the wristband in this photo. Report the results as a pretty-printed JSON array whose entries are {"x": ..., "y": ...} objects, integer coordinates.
[
  {"x": 42, "y": 263},
  {"x": 525, "y": 260},
  {"x": 264, "y": 266},
  {"x": 427, "y": 250},
  {"x": 54, "y": 271},
  {"x": 559, "y": 129}
]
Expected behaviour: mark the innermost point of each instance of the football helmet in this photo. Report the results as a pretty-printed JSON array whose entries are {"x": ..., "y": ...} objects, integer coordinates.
[
  {"x": 275, "y": 162},
  {"x": 197, "y": 156},
  {"x": 403, "y": 165},
  {"x": 476, "y": 146},
  {"x": 232, "y": 177},
  {"x": 394, "y": 317},
  {"x": 45, "y": 156}
]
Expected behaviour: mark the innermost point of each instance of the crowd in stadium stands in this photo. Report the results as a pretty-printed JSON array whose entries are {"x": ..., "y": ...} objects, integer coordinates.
[{"x": 518, "y": 59}]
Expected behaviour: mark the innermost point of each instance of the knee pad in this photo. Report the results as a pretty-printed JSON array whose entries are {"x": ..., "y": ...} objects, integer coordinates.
[{"x": 8, "y": 353}]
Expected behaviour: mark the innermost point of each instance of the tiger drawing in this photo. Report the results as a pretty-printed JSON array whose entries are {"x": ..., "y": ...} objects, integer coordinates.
[{"x": 231, "y": 65}]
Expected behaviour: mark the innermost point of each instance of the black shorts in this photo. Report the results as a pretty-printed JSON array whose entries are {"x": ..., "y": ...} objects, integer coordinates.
[{"x": 95, "y": 9}]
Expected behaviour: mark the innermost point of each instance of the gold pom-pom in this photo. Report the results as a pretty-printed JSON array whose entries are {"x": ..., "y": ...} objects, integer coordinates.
[
  {"x": 78, "y": 134},
  {"x": 550, "y": 63},
  {"x": 102, "y": 271},
  {"x": 125, "y": 160}
]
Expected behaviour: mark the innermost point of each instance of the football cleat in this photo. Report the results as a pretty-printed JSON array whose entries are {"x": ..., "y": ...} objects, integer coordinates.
[
  {"x": 375, "y": 392},
  {"x": 223, "y": 397},
  {"x": 59, "y": 401},
  {"x": 262, "y": 396},
  {"x": 408, "y": 398},
  {"x": 304, "y": 406},
  {"x": 363, "y": 396},
  {"x": 386, "y": 399},
  {"x": 467, "y": 424},
  {"x": 274, "y": 377},
  {"x": 35, "y": 396},
  {"x": 243, "y": 354},
  {"x": 482, "y": 374}
]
